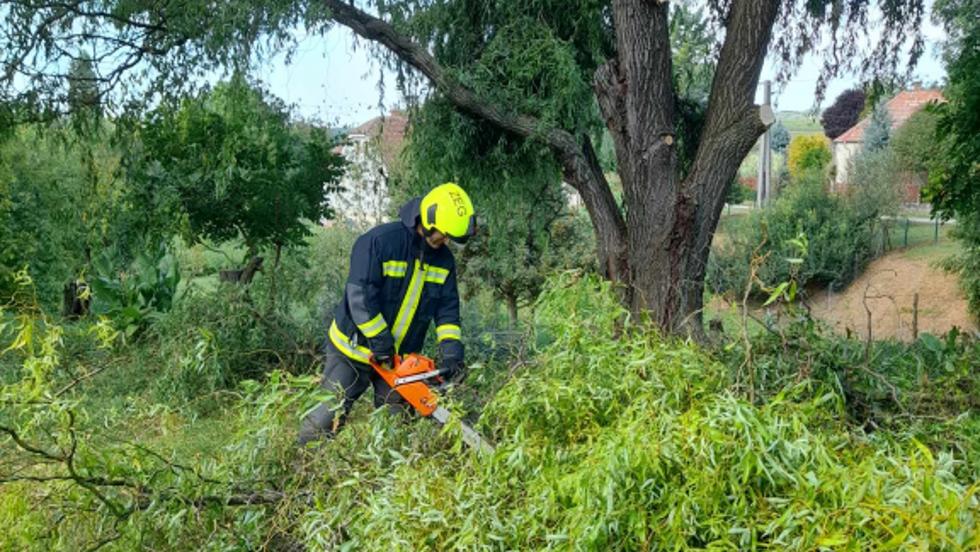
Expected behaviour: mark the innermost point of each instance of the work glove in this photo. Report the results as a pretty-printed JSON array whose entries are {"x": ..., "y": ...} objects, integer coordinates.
[
  {"x": 385, "y": 359},
  {"x": 455, "y": 371}
]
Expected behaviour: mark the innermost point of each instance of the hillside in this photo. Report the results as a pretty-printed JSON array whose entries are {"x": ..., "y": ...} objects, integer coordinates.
[{"x": 890, "y": 285}]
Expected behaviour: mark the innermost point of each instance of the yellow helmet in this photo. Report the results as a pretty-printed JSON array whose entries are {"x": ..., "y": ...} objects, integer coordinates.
[{"x": 449, "y": 210}]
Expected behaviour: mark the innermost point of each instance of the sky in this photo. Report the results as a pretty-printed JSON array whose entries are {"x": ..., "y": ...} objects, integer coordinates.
[{"x": 333, "y": 79}]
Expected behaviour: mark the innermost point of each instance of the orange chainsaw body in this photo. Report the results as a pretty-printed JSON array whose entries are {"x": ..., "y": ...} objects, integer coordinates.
[{"x": 417, "y": 393}]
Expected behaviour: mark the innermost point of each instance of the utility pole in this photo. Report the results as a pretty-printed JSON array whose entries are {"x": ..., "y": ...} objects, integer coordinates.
[{"x": 763, "y": 188}]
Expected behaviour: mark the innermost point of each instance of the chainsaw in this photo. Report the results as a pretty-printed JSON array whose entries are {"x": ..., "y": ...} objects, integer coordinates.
[{"x": 409, "y": 379}]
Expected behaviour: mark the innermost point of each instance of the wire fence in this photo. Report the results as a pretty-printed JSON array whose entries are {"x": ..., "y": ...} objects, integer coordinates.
[{"x": 902, "y": 232}]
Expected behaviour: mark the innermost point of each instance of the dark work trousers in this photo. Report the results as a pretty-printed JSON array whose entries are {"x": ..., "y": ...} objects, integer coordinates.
[{"x": 349, "y": 379}]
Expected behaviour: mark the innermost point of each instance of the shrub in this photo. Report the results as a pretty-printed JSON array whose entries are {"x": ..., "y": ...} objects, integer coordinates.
[
  {"x": 805, "y": 153},
  {"x": 967, "y": 262},
  {"x": 841, "y": 240},
  {"x": 133, "y": 297},
  {"x": 927, "y": 388},
  {"x": 738, "y": 193},
  {"x": 876, "y": 186}
]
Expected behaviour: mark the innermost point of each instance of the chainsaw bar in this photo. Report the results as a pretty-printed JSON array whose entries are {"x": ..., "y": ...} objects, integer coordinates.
[
  {"x": 470, "y": 435},
  {"x": 408, "y": 378}
]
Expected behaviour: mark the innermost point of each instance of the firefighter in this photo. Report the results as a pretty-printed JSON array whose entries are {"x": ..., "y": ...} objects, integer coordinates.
[{"x": 402, "y": 278}]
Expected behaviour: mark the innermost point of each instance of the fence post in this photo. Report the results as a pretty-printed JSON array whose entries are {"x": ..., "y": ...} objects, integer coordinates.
[
  {"x": 907, "y": 222},
  {"x": 915, "y": 316}
]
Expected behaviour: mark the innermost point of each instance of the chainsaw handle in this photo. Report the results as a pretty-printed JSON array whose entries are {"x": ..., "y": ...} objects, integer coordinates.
[{"x": 395, "y": 361}]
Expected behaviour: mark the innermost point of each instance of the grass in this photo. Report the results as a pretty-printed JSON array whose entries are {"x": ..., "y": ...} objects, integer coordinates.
[
  {"x": 934, "y": 252},
  {"x": 797, "y": 122},
  {"x": 918, "y": 234}
]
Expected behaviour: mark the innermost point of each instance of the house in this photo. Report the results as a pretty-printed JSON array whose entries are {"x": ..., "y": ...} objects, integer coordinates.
[
  {"x": 900, "y": 108},
  {"x": 372, "y": 151}
]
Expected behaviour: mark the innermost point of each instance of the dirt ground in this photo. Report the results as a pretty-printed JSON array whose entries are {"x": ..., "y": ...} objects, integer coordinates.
[{"x": 888, "y": 288}]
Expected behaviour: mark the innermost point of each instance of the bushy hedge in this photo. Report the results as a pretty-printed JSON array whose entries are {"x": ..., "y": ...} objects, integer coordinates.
[{"x": 842, "y": 238}]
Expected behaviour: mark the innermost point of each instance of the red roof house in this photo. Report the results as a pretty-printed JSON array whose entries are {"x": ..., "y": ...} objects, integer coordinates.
[{"x": 900, "y": 108}]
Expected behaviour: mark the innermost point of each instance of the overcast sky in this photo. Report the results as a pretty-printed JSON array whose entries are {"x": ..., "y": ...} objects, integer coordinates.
[{"x": 332, "y": 80}]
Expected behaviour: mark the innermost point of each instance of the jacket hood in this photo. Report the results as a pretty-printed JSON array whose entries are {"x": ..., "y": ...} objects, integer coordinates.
[{"x": 410, "y": 212}]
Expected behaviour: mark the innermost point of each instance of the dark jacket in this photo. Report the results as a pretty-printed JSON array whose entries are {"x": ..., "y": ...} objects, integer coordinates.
[{"x": 397, "y": 286}]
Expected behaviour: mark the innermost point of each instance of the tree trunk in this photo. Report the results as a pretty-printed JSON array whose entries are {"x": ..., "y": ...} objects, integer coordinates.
[
  {"x": 242, "y": 275},
  {"x": 512, "y": 308},
  {"x": 670, "y": 222},
  {"x": 659, "y": 252},
  {"x": 75, "y": 300},
  {"x": 254, "y": 265}
]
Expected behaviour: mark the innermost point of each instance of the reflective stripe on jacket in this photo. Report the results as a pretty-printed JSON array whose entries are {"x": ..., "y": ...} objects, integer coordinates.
[{"x": 397, "y": 286}]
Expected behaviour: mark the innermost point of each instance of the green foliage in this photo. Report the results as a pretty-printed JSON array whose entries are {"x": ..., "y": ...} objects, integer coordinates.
[
  {"x": 879, "y": 128},
  {"x": 967, "y": 263},
  {"x": 84, "y": 99},
  {"x": 145, "y": 52},
  {"x": 914, "y": 143},
  {"x": 954, "y": 177},
  {"x": 607, "y": 414},
  {"x": 61, "y": 202},
  {"x": 737, "y": 193},
  {"x": 235, "y": 167},
  {"x": 876, "y": 183},
  {"x": 218, "y": 335},
  {"x": 841, "y": 232},
  {"x": 115, "y": 484},
  {"x": 806, "y": 153},
  {"x": 632, "y": 442},
  {"x": 926, "y": 389},
  {"x": 132, "y": 298},
  {"x": 692, "y": 42},
  {"x": 526, "y": 67},
  {"x": 780, "y": 137}
]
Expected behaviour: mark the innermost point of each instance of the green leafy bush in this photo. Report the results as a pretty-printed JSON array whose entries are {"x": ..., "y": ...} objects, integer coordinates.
[
  {"x": 217, "y": 335},
  {"x": 842, "y": 237},
  {"x": 967, "y": 262},
  {"x": 228, "y": 164},
  {"x": 927, "y": 388},
  {"x": 132, "y": 298},
  {"x": 59, "y": 205}
]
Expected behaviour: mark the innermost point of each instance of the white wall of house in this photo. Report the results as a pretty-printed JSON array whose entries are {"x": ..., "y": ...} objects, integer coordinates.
[
  {"x": 363, "y": 200},
  {"x": 844, "y": 153}
]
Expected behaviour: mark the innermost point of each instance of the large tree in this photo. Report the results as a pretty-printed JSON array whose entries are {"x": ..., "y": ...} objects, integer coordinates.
[
  {"x": 658, "y": 249},
  {"x": 843, "y": 113},
  {"x": 656, "y": 244},
  {"x": 229, "y": 163}
]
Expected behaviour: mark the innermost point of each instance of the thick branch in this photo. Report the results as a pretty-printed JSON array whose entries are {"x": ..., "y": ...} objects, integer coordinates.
[
  {"x": 733, "y": 122},
  {"x": 375, "y": 29},
  {"x": 610, "y": 91},
  {"x": 747, "y": 38}
]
